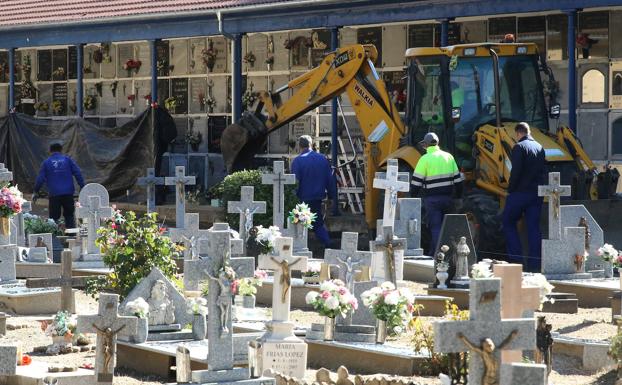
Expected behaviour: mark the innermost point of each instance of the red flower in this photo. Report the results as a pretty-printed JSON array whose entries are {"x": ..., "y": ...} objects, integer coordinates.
[
  {"x": 114, "y": 226},
  {"x": 26, "y": 360}
]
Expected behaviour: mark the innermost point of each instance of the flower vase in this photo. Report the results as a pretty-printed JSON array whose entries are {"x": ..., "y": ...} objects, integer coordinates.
[
  {"x": 608, "y": 266},
  {"x": 381, "y": 331},
  {"x": 142, "y": 331},
  {"x": 329, "y": 329},
  {"x": 5, "y": 226},
  {"x": 199, "y": 327},
  {"x": 248, "y": 301},
  {"x": 442, "y": 276}
]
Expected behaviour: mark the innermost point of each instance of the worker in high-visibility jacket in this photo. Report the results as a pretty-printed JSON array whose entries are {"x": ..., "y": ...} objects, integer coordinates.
[{"x": 438, "y": 180}]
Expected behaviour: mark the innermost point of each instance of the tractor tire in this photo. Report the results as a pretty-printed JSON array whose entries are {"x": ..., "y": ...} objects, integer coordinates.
[{"x": 485, "y": 220}]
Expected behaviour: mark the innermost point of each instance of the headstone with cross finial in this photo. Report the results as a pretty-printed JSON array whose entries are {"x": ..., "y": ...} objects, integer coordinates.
[
  {"x": 189, "y": 235},
  {"x": 280, "y": 349},
  {"x": 246, "y": 207},
  {"x": 107, "y": 324},
  {"x": 408, "y": 224},
  {"x": 516, "y": 301},
  {"x": 219, "y": 328},
  {"x": 180, "y": 180},
  {"x": 278, "y": 179},
  {"x": 300, "y": 235},
  {"x": 485, "y": 334},
  {"x": 20, "y": 230},
  {"x": 151, "y": 180},
  {"x": 66, "y": 282},
  {"x": 392, "y": 186},
  {"x": 94, "y": 211},
  {"x": 388, "y": 258}
]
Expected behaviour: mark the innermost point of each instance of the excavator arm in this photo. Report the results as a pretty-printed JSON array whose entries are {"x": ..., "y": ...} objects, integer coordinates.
[{"x": 348, "y": 70}]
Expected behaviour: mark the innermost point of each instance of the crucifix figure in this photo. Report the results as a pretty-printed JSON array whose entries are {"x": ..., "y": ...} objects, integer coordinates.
[
  {"x": 286, "y": 279},
  {"x": 224, "y": 296},
  {"x": 94, "y": 212},
  {"x": 486, "y": 352},
  {"x": 66, "y": 282},
  {"x": 151, "y": 180},
  {"x": 389, "y": 245},
  {"x": 554, "y": 190},
  {"x": 107, "y": 324},
  {"x": 180, "y": 180},
  {"x": 348, "y": 258},
  {"x": 189, "y": 235},
  {"x": 278, "y": 179},
  {"x": 247, "y": 208},
  {"x": 392, "y": 186}
]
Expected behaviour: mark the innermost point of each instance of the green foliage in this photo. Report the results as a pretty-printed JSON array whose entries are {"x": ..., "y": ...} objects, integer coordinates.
[
  {"x": 132, "y": 247},
  {"x": 615, "y": 349},
  {"x": 34, "y": 224},
  {"x": 229, "y": 190}
]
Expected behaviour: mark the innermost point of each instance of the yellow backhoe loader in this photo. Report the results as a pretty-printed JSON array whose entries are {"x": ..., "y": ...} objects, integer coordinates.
[{"x": 471, "y": 95}]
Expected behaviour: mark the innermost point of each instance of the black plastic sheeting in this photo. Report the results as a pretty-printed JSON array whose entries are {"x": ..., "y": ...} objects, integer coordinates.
[{"x": 114, "y": 157}]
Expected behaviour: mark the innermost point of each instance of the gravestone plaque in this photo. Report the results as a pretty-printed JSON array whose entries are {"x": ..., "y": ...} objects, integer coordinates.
[
  {"x": 300, "y": 126},
  {"x": 72, "y": 97},
  {"x": 498, "y": 27},
  {"x": 44, "y": 65},
  {"x": 91, "y": 69},
  {"x": 142, "y": 52},
  {"x": 162, "y": 51},
  {"x": 285, "y": 357},
  {"x": 178, "y": 57},
  {"x": 420, "y": 35},
  {"x": 260, "y": 83},
  {"x": 371, "y": 35},
  {"x": 109, "y": 62},
  {"x": 299, "y": 49},
  {"x": 182, "y": 126},
  {"x": 347, "y": 36},
  {"x": 108, "y": 102},
  {"x": 142, "y": 88},
  {"x": 124, "y": 90},
  {"x": 221, "y": 45},
  {"x": 455, "y": 226},
  {"x": 473, "y": 31},
  {"x": 198, "y": 91},
  {"x": 281, "y": 54},
  {"x": 179, "y": 90},
  {"x": 394, "y": 39},
  {"x": 216, "y": 125},
  {"x": 220, "y": 93},
  {"x": 126, "y": 52},
  {"x": 59, "y": 92},
  {"x": 59, "y": 64},
  {"x": 163, "y": 90},
  {"x": 321, "y": 44},
  {"x": 45, "y": 94},
  {"x": 257, "y": 46},
  {"x": 72, "y": 62},
  {"x": 196, "y": 65}
]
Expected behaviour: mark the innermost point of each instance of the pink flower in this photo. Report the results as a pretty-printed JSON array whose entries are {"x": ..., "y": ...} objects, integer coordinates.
[
  {"x": 325, "y": 295},
  {"x": 113, "y": 226},
  {"x": 234, "y": 286},
  {"x": 342, "y": 290},
  {"x": 354, "y": 303}
]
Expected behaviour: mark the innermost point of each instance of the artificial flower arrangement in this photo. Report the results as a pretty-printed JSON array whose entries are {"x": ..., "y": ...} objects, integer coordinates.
[
  {"x": 170, "y": 104},
  {"x": 266, "y": 238},
  {"x": 132, "y": 64},
  {"x": 63, "y": 325},
  {"x": 209, "y": 56},
  {"x": 390, "y": 304},
  {"x": 248, "y": 286},
  {"x": 210, "y": 102},
  {"x": 481, "y": 270},
  {"x": 608, "y": 253},
  {"x": 11, "y": 201},
  {"x": 333, "y": 299},
  {"x": 138, "y": 308},
  {"x": 89, "y": 102},
  {"x": 538, "y": 280},
  {"x": 313, "y": 269},
  {"x": 193, "y": 138},
  {"x": 301, "y": 214},
  {"x": 42, "y": 106},
  {"x": 58, "y": 73},
  {"x": 250, "y": 58},
  {"x": 197, "y": 306},
  {"x": 130, "y": 100},
  {"x": 58, "y": 107},
  {"x": 249, "y": 98}
]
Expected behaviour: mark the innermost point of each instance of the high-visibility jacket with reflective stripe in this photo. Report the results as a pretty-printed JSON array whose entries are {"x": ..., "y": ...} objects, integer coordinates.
[{"x": 437, "y": 174}]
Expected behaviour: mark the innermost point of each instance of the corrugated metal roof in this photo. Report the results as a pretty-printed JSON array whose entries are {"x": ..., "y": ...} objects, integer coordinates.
[{"x": 26, "y": 12}]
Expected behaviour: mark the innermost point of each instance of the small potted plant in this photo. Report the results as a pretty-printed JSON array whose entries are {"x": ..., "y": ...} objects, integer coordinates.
[
  {"x": 392, "y": 307},
  {"x": 333, "y": 299},
  {"x": 247, "y": 288},
  {"x": 198, "y": 308},
  {"x": 61, "y": 329},
  {"x": 312, "y": 275},
  {"x": 266, "y": 237},
  {"x": 59, "y": 73},
  {"x": 139, "y": 308},
  {"x": 609, "y": 255},
  {"x": 11, "y": 201}
]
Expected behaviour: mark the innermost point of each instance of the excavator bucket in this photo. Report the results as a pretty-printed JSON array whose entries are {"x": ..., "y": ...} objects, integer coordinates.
[{"x": 240, "y": 142}]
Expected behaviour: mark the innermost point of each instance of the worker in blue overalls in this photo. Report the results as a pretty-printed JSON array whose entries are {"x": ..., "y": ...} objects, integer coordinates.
[{"x": 528, "y": 169}]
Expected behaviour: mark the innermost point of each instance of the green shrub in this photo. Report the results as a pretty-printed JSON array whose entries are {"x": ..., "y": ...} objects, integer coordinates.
[
  {"x": 34, "y": 224},
  {"x": 230, "y": 189},
  {"x": 132, "y": 247}
]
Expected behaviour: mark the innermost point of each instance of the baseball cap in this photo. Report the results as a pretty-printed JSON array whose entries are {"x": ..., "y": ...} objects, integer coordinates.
[{"x": 430, "y": 138}]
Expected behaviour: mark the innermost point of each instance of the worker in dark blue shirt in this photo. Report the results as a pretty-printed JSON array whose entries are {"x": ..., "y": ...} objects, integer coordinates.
[
  {"x": 528, "y": 168},
  {"x": 315, "y": 179},
  {"x": 57, "y": 172}
]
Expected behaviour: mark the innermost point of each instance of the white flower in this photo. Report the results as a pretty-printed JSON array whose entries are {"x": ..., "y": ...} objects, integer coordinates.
[
  {"x": 398, "y": 329},
  {"x": 393, "y": 298},
  {"x": 327, "y": 286},
  {"x": 481, "y": 270},
  {"x": 346, "y": 299},
  {"x": 314, "y": 267},
  {"x": 332, "y": 303},
  {"x": 387, "y": 285},
  {"x": 539, "y": 281},
  {"x": 138, "y": 307},
  {"x": 311, "y": 296}
]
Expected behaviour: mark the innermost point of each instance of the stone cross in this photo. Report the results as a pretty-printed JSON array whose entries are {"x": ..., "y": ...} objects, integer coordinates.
[
  {"x": 392, "y": 186},
  {"x": 180, "y": 180},
  {"x": 283, "y": 264},
  {"x": 516, "y": 301},
  {"x": 19, "y": 223},
  {"x": 246, "y": 207},
  {"x": 390, "y": 247},
  {"x": 66, "y": 282},
  {"x": 107, "y": 324},
  {"x": 151, "y": 180},
  {"x": 349, "y": 258},
  {"x": 5, "y": 174},
  {"x": 408, "y": 224},
  {"x": 278, "y": 179},
  {"x": 189, "y": 235},
  {"x": 554, "y": 190},
  {"x": 485, "y": 334},
  {"x": 219, "y": 328},
  {"x": 94, "y": 212}
]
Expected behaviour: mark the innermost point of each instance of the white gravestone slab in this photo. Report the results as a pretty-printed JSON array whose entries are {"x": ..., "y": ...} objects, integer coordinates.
[
  {"x": 41, "y": 240},
  {"x": 392, "y": 185},
  {"x": 408, "y": 225},
  {"x": 196, "y": 65},
  {"x": 178, "y": 50},
  {"x": 94, "y": 212},
  {"x": 571, "y": 215},
  {"x": 278, "y": 179}
]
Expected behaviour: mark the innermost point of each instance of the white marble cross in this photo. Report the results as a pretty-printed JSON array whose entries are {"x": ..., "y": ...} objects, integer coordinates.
[
  {"x": 554, "y": 190},
  {"x": 150, "y": 181},
  {"x": 189, "y": 235},
  {"x": 485, "y": 325},
  {"x": 282, "y": 265},
  {"x": 246, "y": 207},
  {"x": 180, "y": 180},
  {"x": 278, "y": 179},
  {"x": 5, "y": 174},
  {"x": 392, "y": 186},
  {"x": 94, "y": 212},
  {"x": 107, "y": 324},
  {"x": 392, "y": 260},
  {"x": 349, "y": 258},
  {"x": 19, "y": 224}
]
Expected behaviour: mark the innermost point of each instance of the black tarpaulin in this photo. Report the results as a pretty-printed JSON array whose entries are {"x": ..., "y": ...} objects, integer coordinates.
[{"x": 114, "y": 157}]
